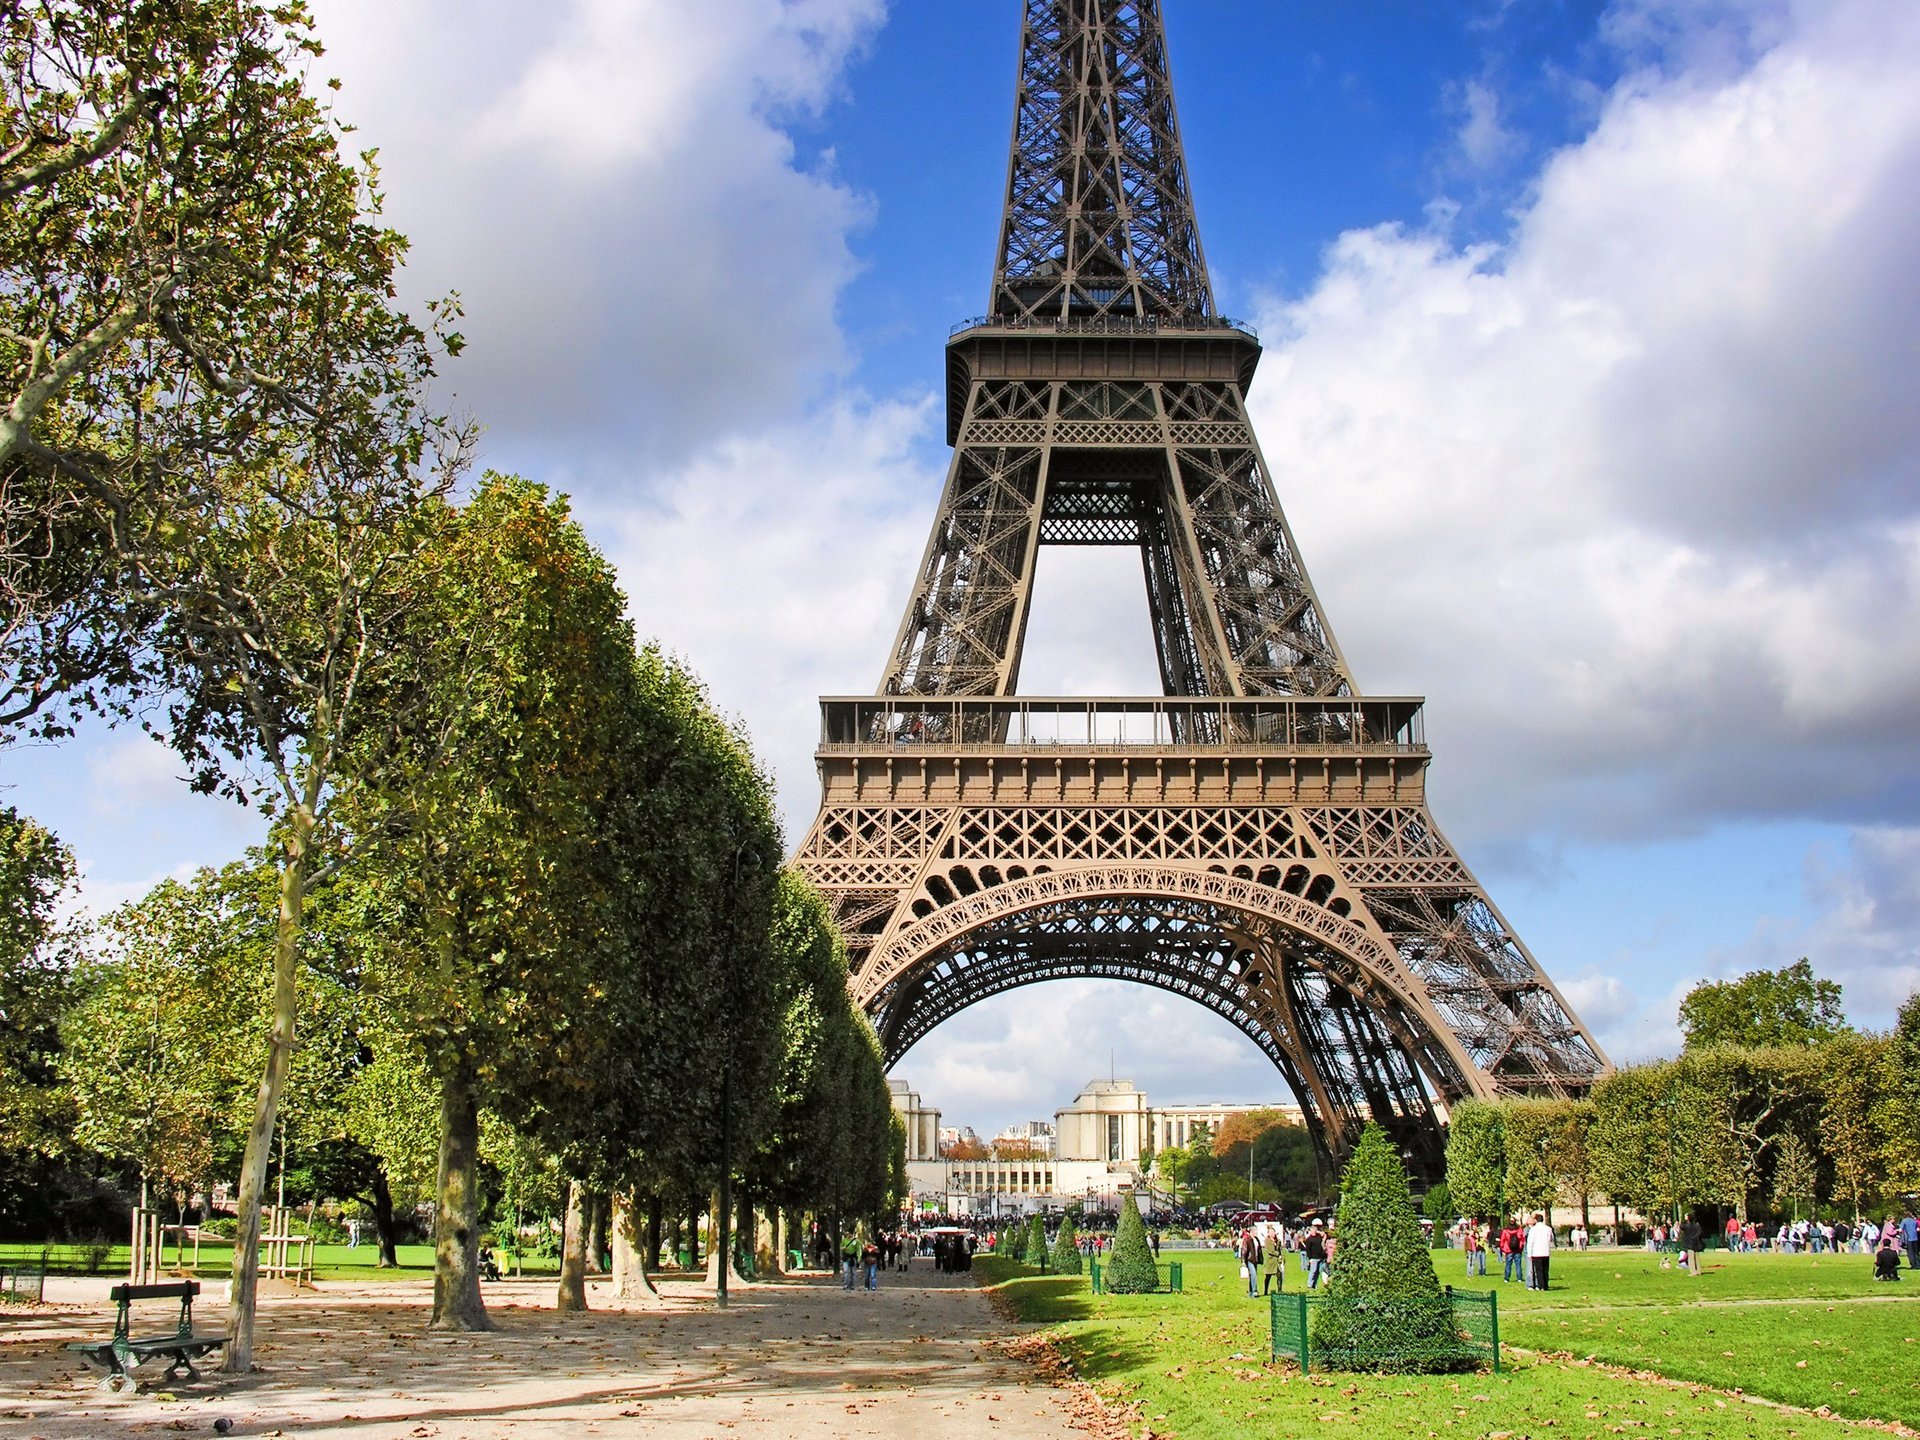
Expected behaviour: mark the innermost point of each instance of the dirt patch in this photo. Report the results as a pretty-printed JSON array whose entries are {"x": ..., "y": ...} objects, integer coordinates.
[{"x": 924, "y": 1356}]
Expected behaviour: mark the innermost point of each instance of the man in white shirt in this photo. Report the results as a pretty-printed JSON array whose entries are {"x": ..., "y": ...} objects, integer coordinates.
[{"x": 1539, "y": 1251}]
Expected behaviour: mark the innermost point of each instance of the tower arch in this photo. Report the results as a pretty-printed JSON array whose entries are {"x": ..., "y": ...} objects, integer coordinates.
[{"x": 1353, "y": 1035}]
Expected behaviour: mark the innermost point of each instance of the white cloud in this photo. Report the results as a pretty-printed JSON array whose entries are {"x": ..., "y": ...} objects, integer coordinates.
[
  {"x": 1633, "y": 497},
  {"x": 1022, "y": 1055},
  {"x": 1483, "y": 139},
  {"x": 644, "y": 259},
  {"x": 776, "y": 565}
]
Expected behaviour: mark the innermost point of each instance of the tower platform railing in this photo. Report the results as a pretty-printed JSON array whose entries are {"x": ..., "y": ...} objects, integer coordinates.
[
  {"x": 1105, "y": 324},
  {"x": 1174, "y": 724}
]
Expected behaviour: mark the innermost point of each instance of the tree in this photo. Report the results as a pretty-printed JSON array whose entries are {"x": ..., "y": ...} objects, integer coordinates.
[
  {"x": 213, "y": 448},
  {"x": 1130, "y": 1269},
  {"x": 1066, "y": 1259},
  {"x": 1897, "y": 1111},
  {"x": 1036, "y": 1246},
  {"x": 35, "y": 977},
  {"x": 1659, "y": 1140},
  {"x": 1383, "y": 1308},
  {"x": 1437, "y": 1207},
  {"x": 1794, "y": 1177},
  {"x": 966, "y": 1148},
  {"x": 1007, "y": 1147},
  {"x": 1789, "y": 1006},
  {"x": 483, "y": 824},
  {"x": 1477, "y": 1159},
  {"x": 1852, "y": 1080},
  {"x": 1531, "y": 1132}
]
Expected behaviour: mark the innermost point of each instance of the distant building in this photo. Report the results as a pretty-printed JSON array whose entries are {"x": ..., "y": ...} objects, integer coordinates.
[
  {"x": 1036, "y": 1135},
  {"x": 1173, "y": 1126},
  {"x": 952, "y": 1135},
  {"x": 1091, "y": 1152},
  {"x": 922, "y": 1125}
]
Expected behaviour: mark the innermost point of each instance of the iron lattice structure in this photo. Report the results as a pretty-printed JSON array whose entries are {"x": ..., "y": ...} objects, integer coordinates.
[{"x": 1257, "y": 838}]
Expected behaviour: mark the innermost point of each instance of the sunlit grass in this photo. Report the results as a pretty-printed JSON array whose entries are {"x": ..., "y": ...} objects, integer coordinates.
[{"x": 1196, "y": 1364}]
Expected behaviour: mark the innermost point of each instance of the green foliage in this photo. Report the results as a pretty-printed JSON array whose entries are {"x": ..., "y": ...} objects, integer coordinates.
[
  {"x": 1896, "y": 1111},
  {"x": 1531, "y": 1131},
  {"x": 1066, "y": 1258},
  {"x": 1384, "y": 1309},
  {"x": 1437, "y": 1206},
  {"x": 1477, "y": 1159},
  {"x": 35, "y": 969},
  {"x": 1035, "y": 1248},
  {"x": 168, "y": 1032},
  {"x": 1789, "y": 1006},
  {"x": 1129, "y": 1267},
  {"x": 1015, "y": 1237}
]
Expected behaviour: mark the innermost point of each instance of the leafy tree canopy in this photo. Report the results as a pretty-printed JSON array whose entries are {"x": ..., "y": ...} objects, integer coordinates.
[{"x": 1789, "y": 1006}]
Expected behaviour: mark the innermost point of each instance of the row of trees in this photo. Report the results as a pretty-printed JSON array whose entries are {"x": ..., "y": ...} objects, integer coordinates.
[
  {"x": 1255, "y": 1155},
  {"x": 516, "y": 864},
  {"x": 1773, "y": 1107}
]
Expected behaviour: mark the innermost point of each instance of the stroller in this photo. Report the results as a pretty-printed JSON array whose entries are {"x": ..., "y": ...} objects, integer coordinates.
[{"x": 489, "y": 1267}]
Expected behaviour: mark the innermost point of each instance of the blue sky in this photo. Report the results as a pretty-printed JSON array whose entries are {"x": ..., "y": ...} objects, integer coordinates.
[{"x": 1588, "y": 389}]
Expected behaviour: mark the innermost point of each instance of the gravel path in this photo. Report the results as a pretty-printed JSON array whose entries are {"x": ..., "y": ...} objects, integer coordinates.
[{"x": 922, "y": 1357}]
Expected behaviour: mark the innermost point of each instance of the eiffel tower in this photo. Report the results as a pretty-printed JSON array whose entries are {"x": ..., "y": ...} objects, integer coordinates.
[{"x": 1257, "y": 838}]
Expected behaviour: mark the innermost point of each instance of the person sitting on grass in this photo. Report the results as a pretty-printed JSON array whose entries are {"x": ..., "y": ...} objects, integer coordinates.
[{"x": 1886, "y": 1261}]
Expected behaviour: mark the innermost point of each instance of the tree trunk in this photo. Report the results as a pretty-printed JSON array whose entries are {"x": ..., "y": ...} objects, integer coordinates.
[
  {"x": 383, "y": 1229},
  {"x": 573, "y": 1251},
  {"x": 693, "y": 1237},
  {"x": 746, "y": 1231},
  {"x": 630, "y": 1280},
  {"x": 456, "y": 1223},
  {"x": 243, "y": 1293},
  {"x": 656, "y": 1221},
  {"x": 597, "y": 1232}
]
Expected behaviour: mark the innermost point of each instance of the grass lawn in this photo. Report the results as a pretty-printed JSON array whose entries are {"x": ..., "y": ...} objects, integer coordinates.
[
  {"x": 330, "y": 1262},
  {"x": 1196, "y": 1364}
]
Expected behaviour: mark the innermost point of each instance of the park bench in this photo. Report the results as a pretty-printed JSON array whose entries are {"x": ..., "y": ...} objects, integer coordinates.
[{"x": 120, "y": 1356}]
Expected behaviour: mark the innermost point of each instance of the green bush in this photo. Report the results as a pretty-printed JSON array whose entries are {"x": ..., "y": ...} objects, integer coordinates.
[
  {"x": 1384, "y": 1309},
  {"x": 1131, "y": 1270},
  {"x": 1036, "y": 1246},
  {"x": 1016, "y": 1240},
  {"x": 1066, "y": 1249}
]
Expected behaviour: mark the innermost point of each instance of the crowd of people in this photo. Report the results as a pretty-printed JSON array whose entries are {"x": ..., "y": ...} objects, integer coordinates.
[{"x": 1524, "y": 1244}]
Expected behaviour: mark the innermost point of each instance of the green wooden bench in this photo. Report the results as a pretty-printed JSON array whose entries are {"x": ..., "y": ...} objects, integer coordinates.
[{"x": 120, "y": 1356}]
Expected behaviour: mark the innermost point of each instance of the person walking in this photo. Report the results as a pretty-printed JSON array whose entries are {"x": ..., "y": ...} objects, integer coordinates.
[
  {"x": 1512, "y": 1242},
  {"x": 1910, "y": 1239},
  {"x": 870, "y": 1261},
  {"x": 1539, "y": 1251},
  {"x": 1690, "y": 1243},
  {"x": 1249, "y": 1248},
  {"x": 1313, "y": 1246},
  {"x": 1476, "y": 1257},
  {"x": 849, "y": 1259},
  {"x": 1273, "y": 1265}
]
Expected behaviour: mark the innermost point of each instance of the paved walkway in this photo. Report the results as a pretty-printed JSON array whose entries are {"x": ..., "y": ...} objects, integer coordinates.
[{"x": 923, "y": 1357}]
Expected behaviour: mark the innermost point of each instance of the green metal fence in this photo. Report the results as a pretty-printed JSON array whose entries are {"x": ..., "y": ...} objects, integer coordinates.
[
  {"x": 1394, "y": 1334},
  {"x": 23, "y": 1284},
  {"x": 1169, "y": 1279}
]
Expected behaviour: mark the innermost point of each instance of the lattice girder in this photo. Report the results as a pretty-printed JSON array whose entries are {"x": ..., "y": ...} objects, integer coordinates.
[
  {"x": 1098, "y": 219},
  {"x": 1171, "y": 467}
]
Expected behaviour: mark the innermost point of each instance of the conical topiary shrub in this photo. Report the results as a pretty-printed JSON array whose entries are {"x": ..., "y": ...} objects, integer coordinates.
[
  {"x": 1384, "y": 1309},
  {"x": 1036, "y": 1246},
  {"x": 1066, "y": 1250},
  {"x": 1014, "y": 1241},
  {"x": 1131, "y": 1271}
]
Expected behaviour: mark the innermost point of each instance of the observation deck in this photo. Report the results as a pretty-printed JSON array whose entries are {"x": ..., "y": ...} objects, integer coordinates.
[
  {"x": 1103, "y": 347},
  {"x": 1146, "y": 750}
]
